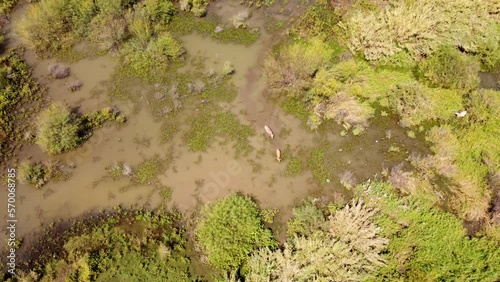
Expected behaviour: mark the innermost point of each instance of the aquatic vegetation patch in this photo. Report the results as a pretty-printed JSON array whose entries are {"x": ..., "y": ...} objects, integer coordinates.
[
  {"x": 21, "y": 98},
  {"x": 148, "y": 170},
  {"x": 294, "y": 167},
  {"x": 209, "y": 123},
  {"x": 184, "y": 24}
]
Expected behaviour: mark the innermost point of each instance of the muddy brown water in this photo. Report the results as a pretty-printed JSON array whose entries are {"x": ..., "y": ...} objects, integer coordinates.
[{"x": 194, "y": 177}]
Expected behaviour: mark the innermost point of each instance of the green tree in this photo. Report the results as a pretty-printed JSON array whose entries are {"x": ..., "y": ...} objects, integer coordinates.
[
  {"x": 230, "y": 230},
  {"x": 58, "y": 130}
]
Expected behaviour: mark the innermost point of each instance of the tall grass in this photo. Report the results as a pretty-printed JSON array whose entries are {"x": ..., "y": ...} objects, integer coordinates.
[{"x": 419, "y": 28}]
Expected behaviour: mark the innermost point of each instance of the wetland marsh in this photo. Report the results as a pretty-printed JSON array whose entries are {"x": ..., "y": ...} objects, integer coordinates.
[{"x": 171, "y": 167}]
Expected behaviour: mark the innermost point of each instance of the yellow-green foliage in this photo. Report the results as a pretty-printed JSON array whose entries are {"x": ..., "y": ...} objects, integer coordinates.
[
  {"x": 291, "y": 70},
  {"x": 416, "y": 103},
  {"x": 449, "y": 68},
  {"x": 45, "y": 25},
  {"x": 6, "y": 6},
  {"x": 123, "y": 246},
  {"x": 420, "y": 27},
  {"x": 197, "y": 7},
  {"x": 82, "y": 12},
  {"x": 319, "y": 20},
  {"x": 150, "y": 17},
  {"x": 58, "y": 130},
  {"x": 155, "y": 59}
]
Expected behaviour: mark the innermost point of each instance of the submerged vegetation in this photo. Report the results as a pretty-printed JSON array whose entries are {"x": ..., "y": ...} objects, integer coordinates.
[{"x": 431, "y": 211}]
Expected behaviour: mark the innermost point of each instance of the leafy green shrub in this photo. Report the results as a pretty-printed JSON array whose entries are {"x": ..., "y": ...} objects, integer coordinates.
[
  {"x": 319, "y": 20},
  {"x": 230, "y": 230},
  {"x": 58, "y": 130},
  {"x": 33, "y": 173},
  {"x": 107, "y": 31},
  {"x": 449, "y": 68},
  {"x": 98, "y": 119},
  {"x": 82, "y": 13},
  {"x": 197, "y": 7},
  {"x": 123, "y": 246}
]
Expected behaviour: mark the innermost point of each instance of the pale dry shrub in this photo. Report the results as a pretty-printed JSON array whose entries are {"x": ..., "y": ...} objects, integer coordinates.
[
  {"x": 75, "y": 85},
  {"x": 107, "y": 31},
  {"x": 58, "y": 71},
  {"x": 353, "y": 226},
  {"x": 350, "y": 251},
  {"x": 344, "y": 109},
  {"x": 347, "y": 179},
  {"x": 239, "y": 19},
  {"x": 420, "y": 27}
]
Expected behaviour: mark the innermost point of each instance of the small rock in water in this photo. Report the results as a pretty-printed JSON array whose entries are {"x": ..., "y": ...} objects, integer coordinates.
[
  {"x": 219, "y": 29},
  {"x": 127, "y": 170}
]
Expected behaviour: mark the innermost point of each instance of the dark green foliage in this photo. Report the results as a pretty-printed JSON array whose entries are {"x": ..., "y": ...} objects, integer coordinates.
[
  {"x": 426, "y": 244},
  {"x": 230, "y": 230},
  {"x": 449, "y": 68},
  {"x": 20, "y": 99}
]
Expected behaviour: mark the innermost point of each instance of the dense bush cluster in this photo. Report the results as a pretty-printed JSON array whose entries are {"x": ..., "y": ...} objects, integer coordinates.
[
  {"x": 60, "y": 131},
  {"x": 51, "y": 25},
  {"x": 230, "y": 230},
  {"x": 125, "y": 246}
]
